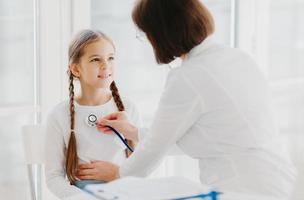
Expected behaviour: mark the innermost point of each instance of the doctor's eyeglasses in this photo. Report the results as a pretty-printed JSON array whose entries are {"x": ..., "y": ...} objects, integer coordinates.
[{"x": 141, "y": 36}]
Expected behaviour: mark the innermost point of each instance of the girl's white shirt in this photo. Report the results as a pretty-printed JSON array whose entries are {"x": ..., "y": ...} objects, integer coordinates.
[
  {"x": 216, "y": 108},
  {"x": 91, "y": 144}
]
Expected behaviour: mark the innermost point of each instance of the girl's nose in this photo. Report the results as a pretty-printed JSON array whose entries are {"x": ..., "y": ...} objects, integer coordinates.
[{"x": 104, "y": 65}]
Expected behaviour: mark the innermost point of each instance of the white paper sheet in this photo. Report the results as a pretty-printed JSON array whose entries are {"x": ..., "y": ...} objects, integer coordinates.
[{"x": 148, "y": 189}]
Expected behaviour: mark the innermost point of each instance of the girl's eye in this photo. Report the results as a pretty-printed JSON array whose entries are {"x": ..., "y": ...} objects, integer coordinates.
[
  {"x": 111, "y": 58},
  {"x": 95, "y": 60}
]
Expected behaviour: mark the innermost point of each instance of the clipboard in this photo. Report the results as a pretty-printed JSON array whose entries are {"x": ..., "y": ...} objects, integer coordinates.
[{"x": 173, "y": 188}]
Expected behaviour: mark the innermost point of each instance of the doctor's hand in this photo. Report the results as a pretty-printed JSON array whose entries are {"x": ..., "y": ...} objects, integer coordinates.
[
  {"x": 98, "y": 170},
  {"x": 118, "y": 121}
]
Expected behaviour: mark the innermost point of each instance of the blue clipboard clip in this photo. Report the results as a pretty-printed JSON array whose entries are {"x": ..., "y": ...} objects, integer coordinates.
[{"x": 213, "y": 195}]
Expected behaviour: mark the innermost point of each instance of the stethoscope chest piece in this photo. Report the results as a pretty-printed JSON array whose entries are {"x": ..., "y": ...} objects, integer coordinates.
[{"x": 91, "y": 120}]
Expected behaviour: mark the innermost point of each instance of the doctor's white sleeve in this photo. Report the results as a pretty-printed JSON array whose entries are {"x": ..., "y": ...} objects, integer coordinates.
[
  {"x": 138, "y": 123},
  {"x": 135, "y": 118},
  {"x": 55, "y": 160},
  {"x": 179, "y": 108}
]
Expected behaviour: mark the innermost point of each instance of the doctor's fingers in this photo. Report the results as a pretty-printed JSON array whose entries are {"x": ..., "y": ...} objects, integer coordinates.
[
  {"x": 112, "y": 116},
  {"x": 121, "y": 115},
  {"x": 105, "y": 122},
  {"x": 116, "y": 124},
  {"x": 104, "y": 129}
]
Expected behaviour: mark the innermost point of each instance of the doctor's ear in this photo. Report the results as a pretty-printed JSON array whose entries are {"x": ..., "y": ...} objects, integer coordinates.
[{"x": 74, "y": 69}]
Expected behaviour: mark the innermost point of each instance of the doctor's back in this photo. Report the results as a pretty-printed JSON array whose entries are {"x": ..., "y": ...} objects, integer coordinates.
[{"x": 235, "y": 137}]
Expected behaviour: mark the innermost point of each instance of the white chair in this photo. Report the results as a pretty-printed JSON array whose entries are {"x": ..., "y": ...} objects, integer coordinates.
[
  {"x": 33, "y": 137},
  {"x": 33, "y": 142}
]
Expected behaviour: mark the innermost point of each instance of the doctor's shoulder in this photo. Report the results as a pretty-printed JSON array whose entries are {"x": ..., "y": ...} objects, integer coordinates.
[{"x": 241, "y": 54}]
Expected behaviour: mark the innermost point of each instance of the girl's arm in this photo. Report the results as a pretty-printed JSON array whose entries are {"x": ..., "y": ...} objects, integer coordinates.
[{"x": 55, "y": 159}]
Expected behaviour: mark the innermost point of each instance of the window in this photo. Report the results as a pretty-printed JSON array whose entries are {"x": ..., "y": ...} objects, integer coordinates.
[
  {"x": 286, "y": 69},
  {"x": 18, "y": 92},
  {"x": 273, "y": 33},
  {"x": 286, "y": 42},
  {"x": 17, "y": 71}
]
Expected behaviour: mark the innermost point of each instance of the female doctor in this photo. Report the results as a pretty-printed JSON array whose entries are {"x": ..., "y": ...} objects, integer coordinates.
[{"x": 215, "y": 107}]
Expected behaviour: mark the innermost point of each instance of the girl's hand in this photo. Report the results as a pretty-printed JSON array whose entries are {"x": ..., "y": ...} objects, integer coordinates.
[
  {"x": 118, "y": 121},
  {"x": 98, "y": 170}
]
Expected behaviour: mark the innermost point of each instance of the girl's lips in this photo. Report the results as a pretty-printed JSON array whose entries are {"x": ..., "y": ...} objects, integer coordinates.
[{"x": 104, "y": 76}]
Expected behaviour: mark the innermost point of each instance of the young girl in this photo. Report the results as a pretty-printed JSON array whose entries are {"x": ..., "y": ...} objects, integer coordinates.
[{"x": 72, "y": 139}]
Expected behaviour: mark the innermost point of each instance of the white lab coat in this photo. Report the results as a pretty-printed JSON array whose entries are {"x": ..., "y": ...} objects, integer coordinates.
[{"x": 215, "y": 107}]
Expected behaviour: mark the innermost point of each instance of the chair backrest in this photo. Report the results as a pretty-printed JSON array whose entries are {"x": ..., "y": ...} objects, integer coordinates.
[{"x": 33, "y": 137}]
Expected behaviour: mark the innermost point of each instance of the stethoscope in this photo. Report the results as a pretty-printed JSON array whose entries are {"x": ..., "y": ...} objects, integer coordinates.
[{"x": 91, "y": 121}]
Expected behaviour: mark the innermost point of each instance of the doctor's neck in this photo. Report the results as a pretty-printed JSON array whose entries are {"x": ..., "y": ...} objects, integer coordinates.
[{"x": 94, "y": 97}]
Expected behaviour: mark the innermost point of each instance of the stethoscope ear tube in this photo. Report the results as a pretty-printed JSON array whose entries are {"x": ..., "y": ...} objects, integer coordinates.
[{"x": 121, "y": 138}]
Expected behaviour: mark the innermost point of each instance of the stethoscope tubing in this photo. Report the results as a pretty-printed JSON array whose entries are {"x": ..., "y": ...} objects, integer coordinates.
[{"x": 121, "y": 138}]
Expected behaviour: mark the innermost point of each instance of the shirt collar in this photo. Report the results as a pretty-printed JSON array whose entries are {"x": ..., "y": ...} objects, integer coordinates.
[{"x": 205, "y": 44}]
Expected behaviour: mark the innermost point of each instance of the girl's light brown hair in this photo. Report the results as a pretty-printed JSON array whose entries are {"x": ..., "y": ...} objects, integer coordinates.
[
  {"x": 173, "y": 27},
  {"x": 76, "y": 51}
]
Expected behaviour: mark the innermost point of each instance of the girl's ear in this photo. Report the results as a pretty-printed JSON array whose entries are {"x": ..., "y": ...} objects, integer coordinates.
[{"x": 74, "y": 68}]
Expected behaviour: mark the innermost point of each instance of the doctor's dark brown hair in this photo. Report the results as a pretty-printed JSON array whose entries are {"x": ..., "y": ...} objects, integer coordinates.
[
  {"x": 173, "y": 27},
  {"x": 76, "y": 51}
]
